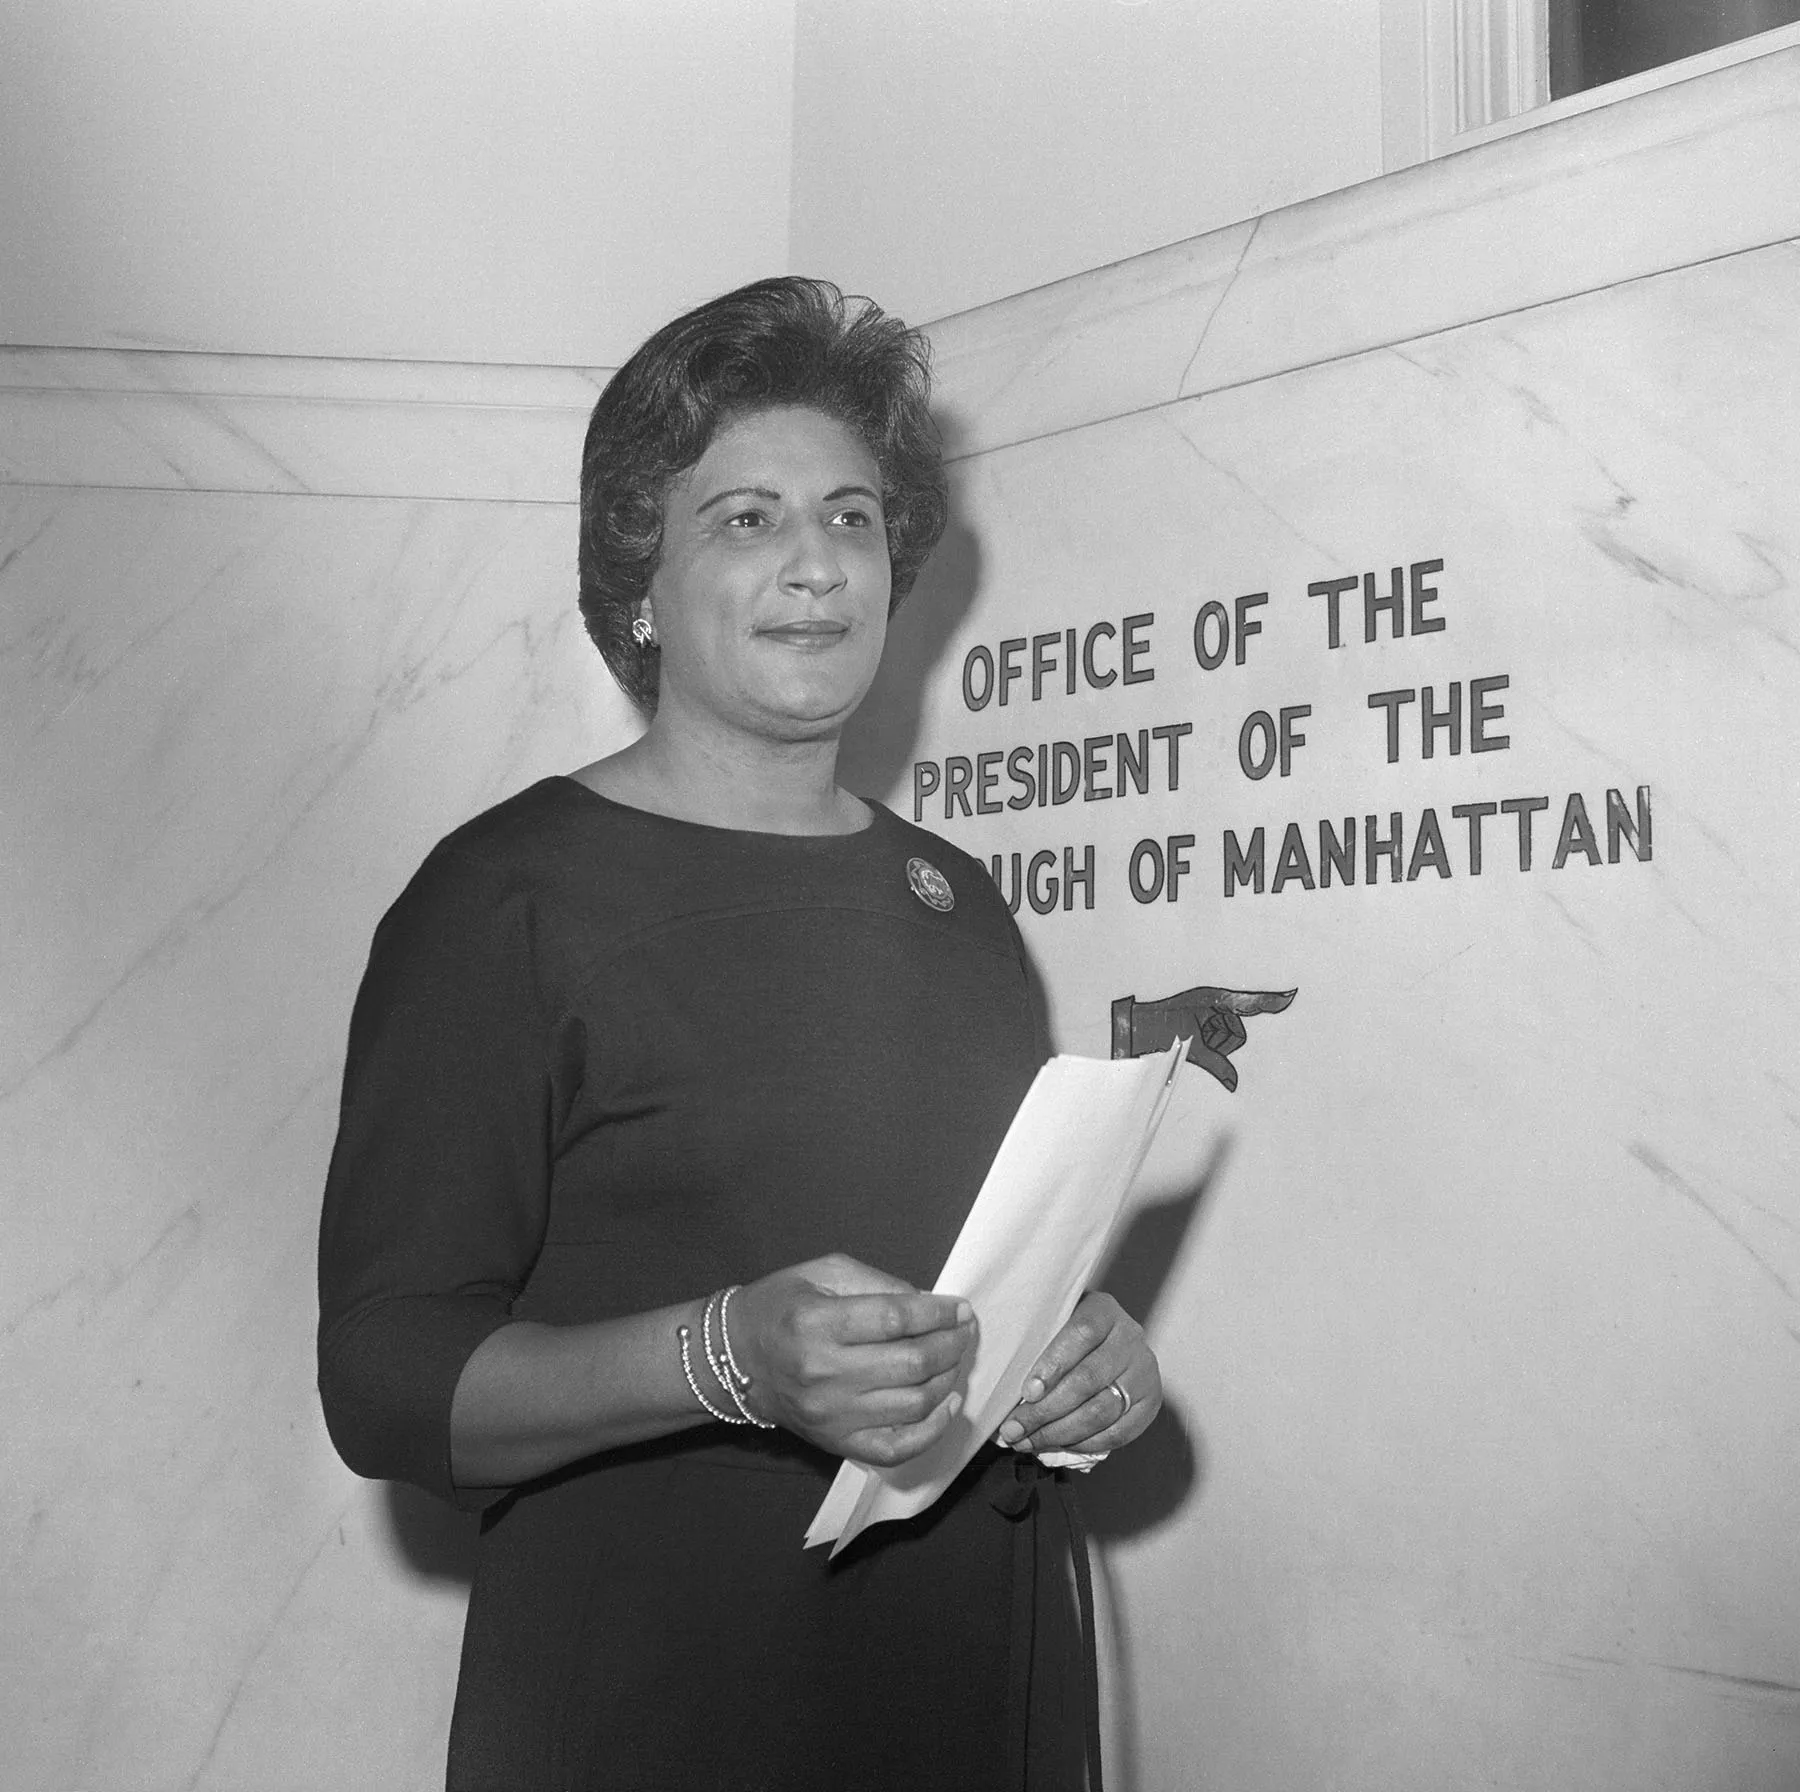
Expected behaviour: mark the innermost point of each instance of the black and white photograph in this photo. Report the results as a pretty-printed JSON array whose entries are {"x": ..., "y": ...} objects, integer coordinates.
[{"x": 900, "y": 896}]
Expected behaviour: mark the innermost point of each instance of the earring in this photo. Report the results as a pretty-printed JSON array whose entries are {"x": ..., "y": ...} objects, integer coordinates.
[{"x": 642, "y": 632}]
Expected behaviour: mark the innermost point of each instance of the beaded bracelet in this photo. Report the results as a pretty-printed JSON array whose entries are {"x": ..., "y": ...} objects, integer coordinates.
[
  {"x": 731, "y": 1362},
  {"x": 687, "y": 1369},
  {"x": 727, "y": 1373},
  {"x": 725, "y": 1370}
]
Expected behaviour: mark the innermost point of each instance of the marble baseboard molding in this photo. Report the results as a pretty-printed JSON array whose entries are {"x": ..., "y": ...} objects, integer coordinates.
[
  {"x": 146, "y": 420},
  {"x": 1706, "y": 168}
]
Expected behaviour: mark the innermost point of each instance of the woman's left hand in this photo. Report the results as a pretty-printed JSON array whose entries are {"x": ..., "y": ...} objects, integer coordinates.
[{"x": 1073, "y": 1398}]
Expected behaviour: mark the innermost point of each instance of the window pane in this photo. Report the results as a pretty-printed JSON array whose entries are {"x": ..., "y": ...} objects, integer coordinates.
[{"x": 1596, "y": 41}]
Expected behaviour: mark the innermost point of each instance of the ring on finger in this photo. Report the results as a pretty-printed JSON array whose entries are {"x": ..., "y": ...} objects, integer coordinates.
[{"x": 1124, "y": 1400}]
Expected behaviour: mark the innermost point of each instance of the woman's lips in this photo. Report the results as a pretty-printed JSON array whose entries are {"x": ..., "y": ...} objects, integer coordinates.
[{"x": 810, "y": 632}]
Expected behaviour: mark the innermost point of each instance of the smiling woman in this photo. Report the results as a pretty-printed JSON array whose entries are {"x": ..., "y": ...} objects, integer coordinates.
[
  {"x": 696, "y": 1017},
  {"x": 769, "y": 603}
]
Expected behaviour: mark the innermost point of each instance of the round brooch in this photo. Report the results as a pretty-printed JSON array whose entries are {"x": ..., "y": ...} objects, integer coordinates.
[{"x": 930, "y": 885}]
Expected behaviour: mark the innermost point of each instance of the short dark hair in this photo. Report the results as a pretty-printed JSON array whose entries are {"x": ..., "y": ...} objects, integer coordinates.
[{"x": 789, "y": 341}]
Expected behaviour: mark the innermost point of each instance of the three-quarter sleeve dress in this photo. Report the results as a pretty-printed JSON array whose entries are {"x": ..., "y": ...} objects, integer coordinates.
[{"x": 603, "y": 1061}]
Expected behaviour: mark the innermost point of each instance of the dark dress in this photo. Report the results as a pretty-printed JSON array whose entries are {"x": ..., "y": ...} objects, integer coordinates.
[{"x": 603, "y": 1061}]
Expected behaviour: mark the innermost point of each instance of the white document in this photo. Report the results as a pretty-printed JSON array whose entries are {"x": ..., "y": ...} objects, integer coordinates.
[{"x": 1025, "y": 1253}]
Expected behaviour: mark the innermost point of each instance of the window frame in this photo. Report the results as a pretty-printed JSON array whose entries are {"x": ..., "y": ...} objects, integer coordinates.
[{"x": 1455, "y": 73}]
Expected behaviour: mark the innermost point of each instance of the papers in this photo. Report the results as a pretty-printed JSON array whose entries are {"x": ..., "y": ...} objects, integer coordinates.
[{"x": 1025, "y": 1253}]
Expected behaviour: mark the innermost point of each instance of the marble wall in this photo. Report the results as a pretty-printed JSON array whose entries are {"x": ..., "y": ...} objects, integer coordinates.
[
  {"x": 1476, "y": 1298},
  {"x": 1479, "y": 1298},
  {"x": 267, "y": 630}
]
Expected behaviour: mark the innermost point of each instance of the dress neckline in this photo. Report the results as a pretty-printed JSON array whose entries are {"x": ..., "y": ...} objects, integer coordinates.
[{"x": 879, "y": 814}]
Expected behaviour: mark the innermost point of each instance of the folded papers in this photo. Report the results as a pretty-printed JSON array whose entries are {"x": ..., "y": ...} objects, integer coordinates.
[{"x": 1025, "y": 1253}]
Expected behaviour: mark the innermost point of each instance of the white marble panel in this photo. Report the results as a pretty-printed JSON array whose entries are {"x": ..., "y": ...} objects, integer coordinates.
[
  {"x": 1693, "y": 171},
  {"x": 1481, "y": 1343},
  {"x": 244, "y": 423},
  {"x": 232, "y": 725}
]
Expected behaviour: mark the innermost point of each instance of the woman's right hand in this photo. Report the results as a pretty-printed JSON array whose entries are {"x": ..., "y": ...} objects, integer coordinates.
[{"x": 853, "y": 1360}]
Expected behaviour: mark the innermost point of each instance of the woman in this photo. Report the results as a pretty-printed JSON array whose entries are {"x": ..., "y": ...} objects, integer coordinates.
[{"x": 669, "y": 1086}]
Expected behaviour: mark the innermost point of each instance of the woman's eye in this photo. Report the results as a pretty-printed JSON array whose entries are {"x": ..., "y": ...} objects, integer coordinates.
[
  {"x": 854, "y": 519},
  {"x": 746, "y": 519}
]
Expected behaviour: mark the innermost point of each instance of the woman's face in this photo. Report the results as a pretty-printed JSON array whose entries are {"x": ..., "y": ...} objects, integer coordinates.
[{"x": 770, "y": 599}]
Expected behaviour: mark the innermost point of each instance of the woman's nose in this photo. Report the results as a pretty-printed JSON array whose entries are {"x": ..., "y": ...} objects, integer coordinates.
[{"x": 813, "y": 562}]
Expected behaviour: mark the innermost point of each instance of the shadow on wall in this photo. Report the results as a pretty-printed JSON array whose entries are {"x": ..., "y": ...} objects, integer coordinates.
[
  {"x": 1164, "y": 1465},
  {"x": 878, "y": 745},
  {"x": 1153, "y": 1482},
  {"x": 435, "y": 1541},
  {"x": 1162, "y": 1469}
]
